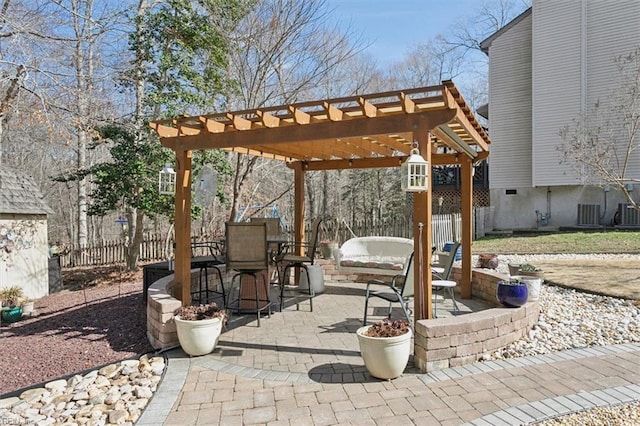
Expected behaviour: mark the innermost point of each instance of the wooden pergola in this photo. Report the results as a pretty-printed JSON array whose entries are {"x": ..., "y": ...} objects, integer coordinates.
[{"x": 364, "y": 131}]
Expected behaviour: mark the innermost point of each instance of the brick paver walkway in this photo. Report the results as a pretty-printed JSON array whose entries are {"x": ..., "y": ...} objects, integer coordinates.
[{"x": 305, "y": 368}]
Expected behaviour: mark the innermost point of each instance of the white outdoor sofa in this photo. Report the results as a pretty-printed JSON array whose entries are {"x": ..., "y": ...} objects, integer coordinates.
[{"x": 374, "y": 255}]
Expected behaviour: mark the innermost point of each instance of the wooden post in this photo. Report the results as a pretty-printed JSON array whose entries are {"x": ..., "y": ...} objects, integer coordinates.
[
  {"x": 298, "y": 214},
  {"x": 182, "y": 281},
  {"x": 422, "y": 230},
  {"x": 298, "y": 205},
  {"x": 466, "y": 177}
]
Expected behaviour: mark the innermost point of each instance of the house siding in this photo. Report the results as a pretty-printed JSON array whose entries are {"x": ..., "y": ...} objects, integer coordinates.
[
  {"x": 612, "y": 32},
  {"x": 557, "y": 55},
  {"x": 510, "y": 99},
  {"x": 572, "y": 45}
]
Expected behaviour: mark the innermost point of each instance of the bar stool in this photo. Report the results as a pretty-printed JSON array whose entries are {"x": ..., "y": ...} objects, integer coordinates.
[
  {"x": 203, "y": 284},
  {"x": 289, "y": 261},
  {"x": 247, "y": 254}
]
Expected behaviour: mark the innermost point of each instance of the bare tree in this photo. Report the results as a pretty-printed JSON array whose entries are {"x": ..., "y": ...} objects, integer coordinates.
[
  {"x": 282, "y": 51},
  {"x": 49, "y": 55},
  {"x": 489, "y": 17},
  {"x": 427, "y": 63},
  {"x": 460, "y": 47},
  {"x": 603, "y": 145}
]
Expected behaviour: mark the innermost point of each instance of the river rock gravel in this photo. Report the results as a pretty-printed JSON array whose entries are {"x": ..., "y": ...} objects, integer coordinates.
[
  {"x": 570, "y": 319},
  {"x": 114, "y": 394}
]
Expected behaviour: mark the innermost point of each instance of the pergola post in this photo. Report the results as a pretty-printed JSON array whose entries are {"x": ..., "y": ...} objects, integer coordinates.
[
  {"x": 298, "y": 205},
  {"x": 466, "y": 177},
  {"x": 422, "y": 237},
  {"x": 298, "y": 211},
  {"x": 182, "y": 220}
]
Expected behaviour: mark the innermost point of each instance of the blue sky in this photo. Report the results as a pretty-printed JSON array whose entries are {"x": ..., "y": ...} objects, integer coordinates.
[{"x": 394, "y": 26}]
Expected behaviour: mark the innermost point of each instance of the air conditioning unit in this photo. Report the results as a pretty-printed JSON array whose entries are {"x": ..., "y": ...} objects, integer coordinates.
[
  {"x": 588, "y": 214},
  {"x": 628, "y": 216}
]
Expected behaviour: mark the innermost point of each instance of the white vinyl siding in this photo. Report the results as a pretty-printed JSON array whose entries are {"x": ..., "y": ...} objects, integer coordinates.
[
  {"x": 574, "y": 46},
  {"x": 557, "y": 80},
  {"x": 612, "y": 32},
  {"x": 510, "y": 107}
]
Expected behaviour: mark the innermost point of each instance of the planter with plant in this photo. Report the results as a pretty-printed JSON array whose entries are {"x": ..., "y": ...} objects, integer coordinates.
[
  {"x": 488, "y": 260},
  {"x": 11, "y": 308},
  {"x": 525, "y": 269},
  {"x": 328, "y": 245},
  {"x": 199, "y": 327},
  {"x": 385, "y": 347},
  {"x": 512, "y": 292},
  {"x": 534, "y": 286}
]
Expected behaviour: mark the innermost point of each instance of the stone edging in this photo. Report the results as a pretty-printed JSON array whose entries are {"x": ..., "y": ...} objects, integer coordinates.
[{"x": 460, "y": 340}]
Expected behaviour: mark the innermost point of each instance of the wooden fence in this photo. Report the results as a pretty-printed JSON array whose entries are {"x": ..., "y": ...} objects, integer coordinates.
[
  {"x": 112, "y": 252},
  {"x": 446, "y": 228}
]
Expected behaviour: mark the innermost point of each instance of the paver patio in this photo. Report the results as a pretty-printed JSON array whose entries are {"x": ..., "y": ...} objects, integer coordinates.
[{"x": 304, "y": 367}]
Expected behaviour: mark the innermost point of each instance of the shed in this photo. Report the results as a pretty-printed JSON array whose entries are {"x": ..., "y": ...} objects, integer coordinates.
[{"x": 24, "y": 249}]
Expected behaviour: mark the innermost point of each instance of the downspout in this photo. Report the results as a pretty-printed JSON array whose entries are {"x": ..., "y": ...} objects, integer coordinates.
[
  {"x": 606, "y": 189},
  {"x": 548, "y": 202}
]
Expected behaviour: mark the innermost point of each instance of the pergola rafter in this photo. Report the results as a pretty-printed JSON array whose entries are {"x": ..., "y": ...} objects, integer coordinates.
[{"x": 364, "y": 131}]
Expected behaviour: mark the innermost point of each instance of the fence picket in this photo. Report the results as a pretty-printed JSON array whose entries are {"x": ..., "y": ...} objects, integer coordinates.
[{"x": 445, "y": 227}]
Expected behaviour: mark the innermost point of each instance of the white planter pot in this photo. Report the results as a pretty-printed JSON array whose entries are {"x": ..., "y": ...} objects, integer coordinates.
[
  {"x": 534, "y": 286},
  {"x": 27, "y": 308},
  {"x": 384, "y": 357},
  {"x": 198, "y": 337}
]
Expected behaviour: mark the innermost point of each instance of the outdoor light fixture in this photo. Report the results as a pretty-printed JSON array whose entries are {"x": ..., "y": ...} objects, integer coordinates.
[
  {"x": 167, "y": 180},
  {"x": 414, "y": 172}
]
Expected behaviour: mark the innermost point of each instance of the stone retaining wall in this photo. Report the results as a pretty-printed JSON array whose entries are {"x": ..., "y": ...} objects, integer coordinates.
[
  {"x": 458, "y": 340},
  {"x": 332, "y": 273},
  {"x": 161, "y": 329}
]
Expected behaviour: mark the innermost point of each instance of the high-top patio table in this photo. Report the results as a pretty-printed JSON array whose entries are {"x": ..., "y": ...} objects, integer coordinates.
[{"x": 246, "y": 303}]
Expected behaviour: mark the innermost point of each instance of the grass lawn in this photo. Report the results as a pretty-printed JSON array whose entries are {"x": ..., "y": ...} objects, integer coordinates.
[
  {"x": 561, "y": 242},
  {"x": 610, "y": 277}
]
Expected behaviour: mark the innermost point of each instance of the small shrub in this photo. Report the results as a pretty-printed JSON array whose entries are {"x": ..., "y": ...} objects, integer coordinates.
[
  {"x": 11, "y": 296},
  {"x": 201, "y": 312},
  {"x": 512, "y": 281},
  {"x": 388, "y": 328},
  {"x": 526, "y": 267}
]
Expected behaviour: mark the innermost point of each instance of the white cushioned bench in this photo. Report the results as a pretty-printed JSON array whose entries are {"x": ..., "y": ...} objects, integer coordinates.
[{"x": 374, "y": 255}]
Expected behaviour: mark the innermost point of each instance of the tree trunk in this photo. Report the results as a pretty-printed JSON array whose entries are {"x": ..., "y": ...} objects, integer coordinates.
[{"x": 136, "y": 236}]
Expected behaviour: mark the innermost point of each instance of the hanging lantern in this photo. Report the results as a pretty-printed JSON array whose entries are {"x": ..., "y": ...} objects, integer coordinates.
[
  {"x": 414, "y": 172},
  {"x": 167, "y": 180}
]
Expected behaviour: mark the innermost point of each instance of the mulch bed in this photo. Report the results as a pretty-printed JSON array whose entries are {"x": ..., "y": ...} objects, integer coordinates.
[{"x": 98, "y": 318}]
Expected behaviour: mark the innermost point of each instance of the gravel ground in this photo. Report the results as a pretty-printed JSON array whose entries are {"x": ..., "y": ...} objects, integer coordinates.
[
  {"x": 623, "y": 415},
  {"x": 73, "y": 331}
]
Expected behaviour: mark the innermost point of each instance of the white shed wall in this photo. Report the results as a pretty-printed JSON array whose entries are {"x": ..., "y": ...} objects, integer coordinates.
[{"x": 27, "y": 265}]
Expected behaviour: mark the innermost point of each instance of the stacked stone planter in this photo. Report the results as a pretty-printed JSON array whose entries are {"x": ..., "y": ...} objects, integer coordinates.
[{"x": 459, "y": 340}]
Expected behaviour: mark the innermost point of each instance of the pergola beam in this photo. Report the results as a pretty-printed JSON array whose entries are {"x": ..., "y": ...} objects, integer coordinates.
[{"x": 399, "y": 123}]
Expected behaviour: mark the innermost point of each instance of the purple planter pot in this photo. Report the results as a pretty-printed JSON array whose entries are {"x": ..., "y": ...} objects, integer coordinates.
[{"x": 512, "y": 295}]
